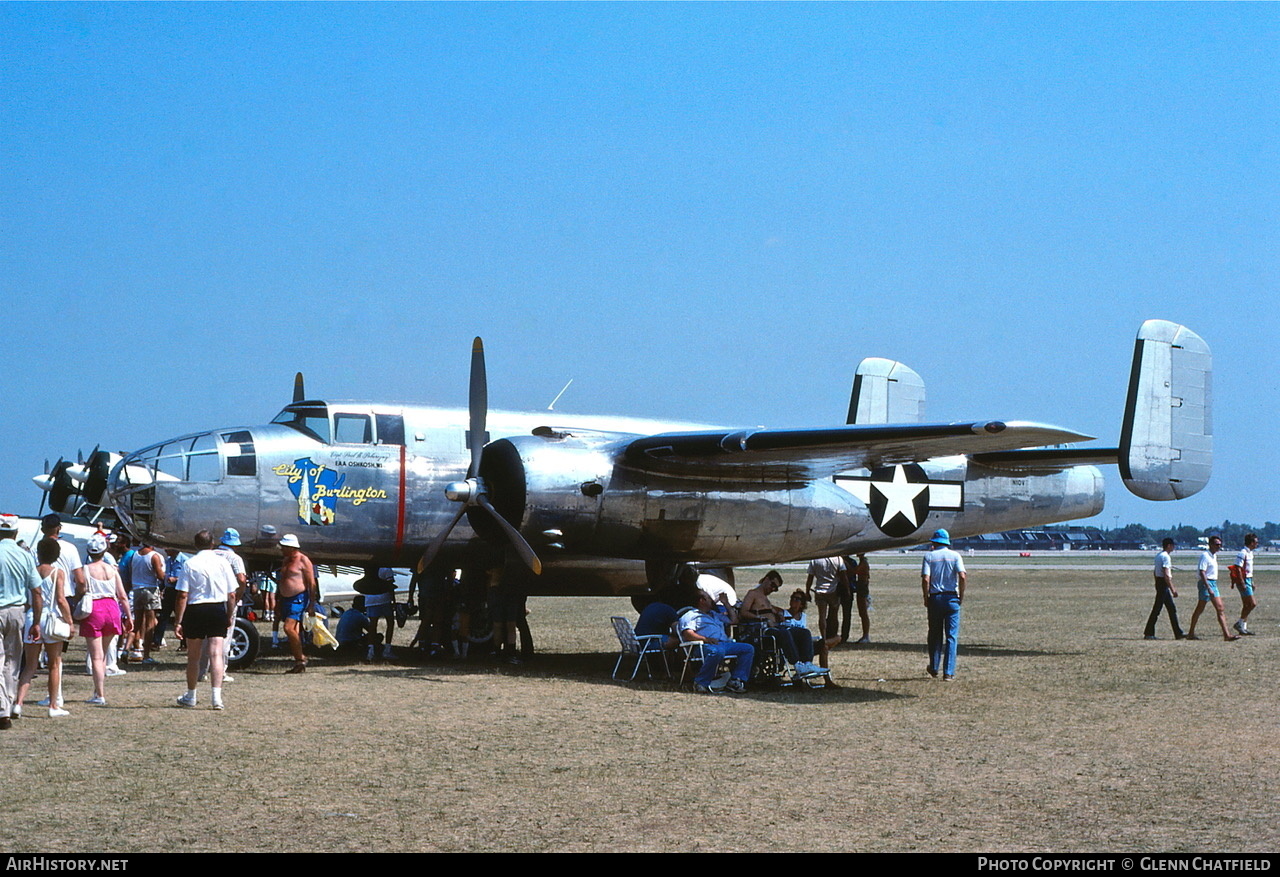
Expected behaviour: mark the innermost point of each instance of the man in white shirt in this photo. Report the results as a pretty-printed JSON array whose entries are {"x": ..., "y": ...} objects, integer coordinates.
[
  {"x": 1208, "y": 590},
  {"x": 1165, "y": 592},
  {"x": 1244, "y": 565},
  {"x": 205, "y": 609}
]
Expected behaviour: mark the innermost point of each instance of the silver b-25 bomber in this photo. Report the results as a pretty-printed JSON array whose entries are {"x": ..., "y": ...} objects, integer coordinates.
[{"x": 608, "y": 505}]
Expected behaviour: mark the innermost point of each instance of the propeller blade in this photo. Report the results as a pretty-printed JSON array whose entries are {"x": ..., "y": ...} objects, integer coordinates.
[
  {"x": 46, "y": 490},
  {"x": 478, "y": 404},
  {"x": 299, "y": 394},
  {"x": 434, "y": 548},
  {"x": 62, "y": 490},
  {"x": 95, "y": 484},
  {"x": 517, "y": 541}
]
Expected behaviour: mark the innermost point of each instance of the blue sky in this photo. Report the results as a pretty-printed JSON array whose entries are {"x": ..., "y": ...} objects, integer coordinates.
[{"x": 698, "y": 212}]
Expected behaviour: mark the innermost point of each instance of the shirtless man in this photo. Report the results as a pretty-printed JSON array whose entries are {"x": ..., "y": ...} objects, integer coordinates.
[
  {"x": 296, "y": 594},
  {"x": 796, "y": 642}
]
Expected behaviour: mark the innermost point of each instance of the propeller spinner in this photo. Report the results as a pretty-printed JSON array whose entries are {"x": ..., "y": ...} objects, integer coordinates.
[{"x": 473, "y": 492}]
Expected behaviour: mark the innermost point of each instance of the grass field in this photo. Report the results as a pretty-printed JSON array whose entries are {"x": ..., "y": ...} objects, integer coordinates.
[{"x": 1064, "y": 731}]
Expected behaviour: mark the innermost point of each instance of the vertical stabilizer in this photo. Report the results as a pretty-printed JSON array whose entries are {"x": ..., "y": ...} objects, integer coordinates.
[
  {"x": 885, "y": 391},
  {"x": 1166, "y": 442}
]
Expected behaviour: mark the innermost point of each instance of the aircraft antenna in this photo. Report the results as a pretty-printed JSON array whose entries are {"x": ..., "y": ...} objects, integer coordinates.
[{"x": 552, "y": 406}]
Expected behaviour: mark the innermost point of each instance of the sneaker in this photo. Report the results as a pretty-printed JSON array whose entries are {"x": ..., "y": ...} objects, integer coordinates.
[
  {"x": 135, "y": 655},
  {"x": 1238, "y": 627},
  {"x": 97, "y": 700},
  {"x": 862, "y": 642},
  {"x": 1244, "y": 631},
  {"x": 57, "y": 712},
  {"x": 44, "y": 702},
  {"x": 203, "y": 677},
  {"x": 703, "y": 689},
  {"x": 217, "y": 705},
  {"x": 15, "y": 712},
  {"x": 950, "y": 677},
  {"x": 736, "y": 686},
  {"x": 187, "y": 700},
  {"x": 116, "y": 671},
  {"x": 149, "y": 660},
  {"x": 932, "y": 672},
  {"x": 227, "y": 677}
]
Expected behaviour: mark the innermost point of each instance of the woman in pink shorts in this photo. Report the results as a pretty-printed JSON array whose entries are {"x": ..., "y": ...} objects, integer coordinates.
[{"x": 111, "y": 614}]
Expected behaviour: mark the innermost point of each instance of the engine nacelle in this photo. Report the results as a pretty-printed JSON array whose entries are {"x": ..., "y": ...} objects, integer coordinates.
[{"x": 549, "y": 488}]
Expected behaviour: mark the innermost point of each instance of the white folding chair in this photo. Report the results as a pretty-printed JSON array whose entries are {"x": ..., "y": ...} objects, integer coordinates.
[{"x": 639, "y": 647}]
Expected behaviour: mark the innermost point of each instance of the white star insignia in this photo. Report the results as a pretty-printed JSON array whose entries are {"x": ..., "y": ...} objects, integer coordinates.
[{"x": 899, "y": 496}]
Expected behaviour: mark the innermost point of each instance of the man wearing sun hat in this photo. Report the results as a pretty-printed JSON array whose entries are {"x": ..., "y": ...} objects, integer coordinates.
[
  {"x": 295, "y": 596},
  {"x": 19, "y": 582},
  {"x": 942, "y": 579}
]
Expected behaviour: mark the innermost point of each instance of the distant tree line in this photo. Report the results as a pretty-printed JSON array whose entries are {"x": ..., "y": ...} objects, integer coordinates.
[{"x": 1184, "y": 534}]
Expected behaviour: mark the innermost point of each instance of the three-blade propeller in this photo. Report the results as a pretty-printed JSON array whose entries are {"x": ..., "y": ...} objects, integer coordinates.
[{"x": 473, "y": 492}]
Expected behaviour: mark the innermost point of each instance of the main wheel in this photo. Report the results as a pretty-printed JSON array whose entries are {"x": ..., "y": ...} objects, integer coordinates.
[{"x": 244, "y": 645}]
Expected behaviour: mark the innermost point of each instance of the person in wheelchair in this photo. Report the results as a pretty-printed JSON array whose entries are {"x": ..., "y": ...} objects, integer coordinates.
[{"x": 792, "y": 636}]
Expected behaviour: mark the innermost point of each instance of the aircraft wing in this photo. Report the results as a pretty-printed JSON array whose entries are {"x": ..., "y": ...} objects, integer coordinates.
[{"x": 806, "y": 454}]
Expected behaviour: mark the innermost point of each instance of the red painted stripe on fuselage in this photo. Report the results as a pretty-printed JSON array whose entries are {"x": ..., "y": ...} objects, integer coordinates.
[{"x": 400, "y": 510}]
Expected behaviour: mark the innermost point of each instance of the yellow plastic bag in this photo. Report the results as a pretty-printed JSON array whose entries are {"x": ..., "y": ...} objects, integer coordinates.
[{"x": 320, "y": 635}]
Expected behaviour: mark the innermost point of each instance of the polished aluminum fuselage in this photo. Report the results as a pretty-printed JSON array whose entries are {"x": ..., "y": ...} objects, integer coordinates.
[{"x": 565, "y": 483}]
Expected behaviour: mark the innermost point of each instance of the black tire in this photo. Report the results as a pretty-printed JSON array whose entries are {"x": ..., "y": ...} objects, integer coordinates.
[{"x": 245, "y": 644}]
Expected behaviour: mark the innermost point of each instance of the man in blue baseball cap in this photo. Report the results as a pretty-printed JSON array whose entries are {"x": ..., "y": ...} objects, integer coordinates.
[{"x": 942, "y": 579}]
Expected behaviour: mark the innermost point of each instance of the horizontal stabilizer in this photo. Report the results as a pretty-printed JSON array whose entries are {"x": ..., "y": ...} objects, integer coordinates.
[
  {"x": 885, "y": 391},
  {"x": 1166, "y": 441}
]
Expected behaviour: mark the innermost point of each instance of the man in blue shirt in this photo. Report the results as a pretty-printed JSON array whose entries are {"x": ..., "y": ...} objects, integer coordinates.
[
  {"x": 942, "y": 579},
  {"x": 709, "y": 626},
  {"x": 19, "y": 582}
]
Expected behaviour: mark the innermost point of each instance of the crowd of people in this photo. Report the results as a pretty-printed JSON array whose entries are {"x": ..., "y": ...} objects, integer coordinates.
[
  {"x": 835, "y": 582},
  {"x": 122, "y": 601},
  {"x": 726, "y": 630},
  {"x": 125, "y": 599},
  {"x": 1207, "y": 593}
]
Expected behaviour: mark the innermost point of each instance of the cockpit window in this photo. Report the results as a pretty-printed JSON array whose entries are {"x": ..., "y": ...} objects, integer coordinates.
[
  {"x": 352, "y": 429},
  {"x": 310, "y": 420},
  {"x": 390, "y": 429},
  {"x": 242, "y": 459},
  {"x": 202, "y": 461}
]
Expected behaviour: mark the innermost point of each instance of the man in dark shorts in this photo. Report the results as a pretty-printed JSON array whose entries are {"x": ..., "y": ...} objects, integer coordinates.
[{"x": 205, "y": 609}]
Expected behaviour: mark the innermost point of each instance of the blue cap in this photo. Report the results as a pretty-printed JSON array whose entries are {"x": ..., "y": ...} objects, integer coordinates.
[
  {"x": 941, "y": 537},
  {"x": 231, "y": 536}
]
